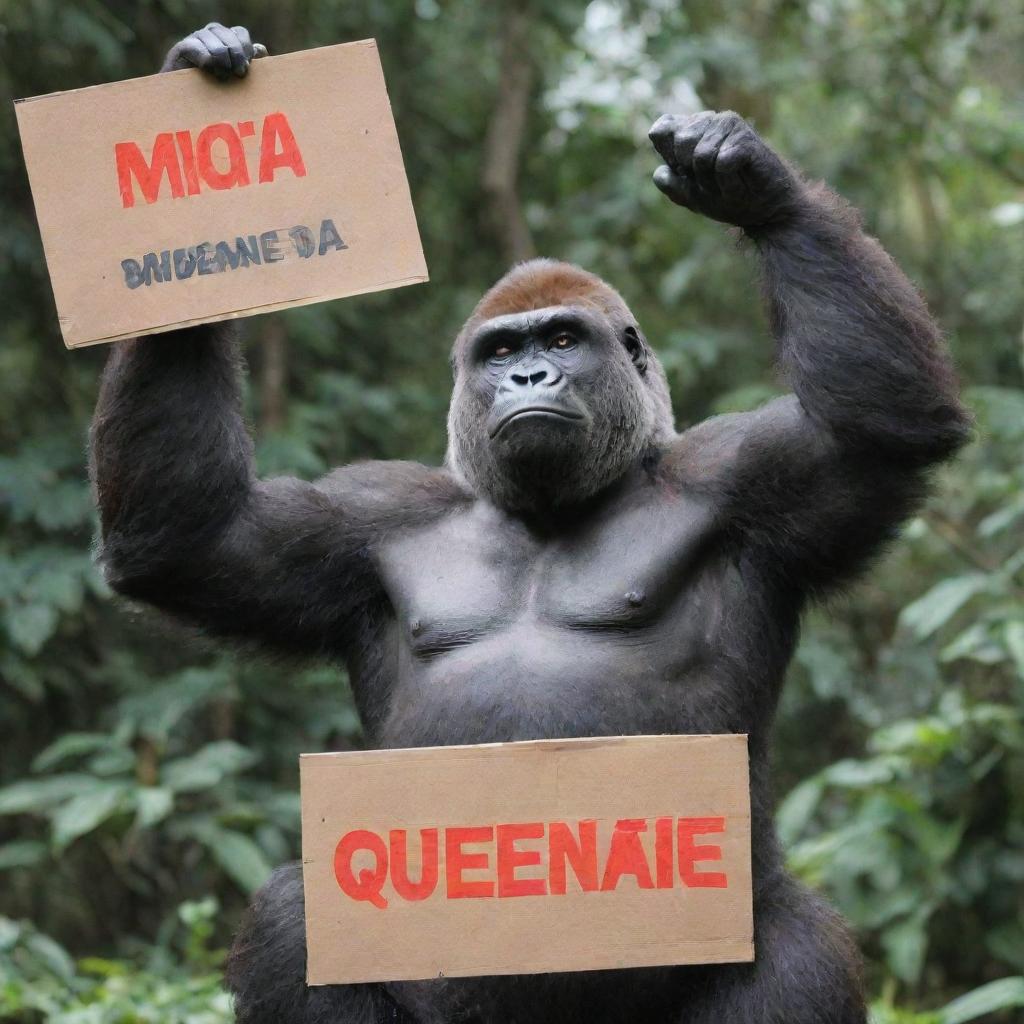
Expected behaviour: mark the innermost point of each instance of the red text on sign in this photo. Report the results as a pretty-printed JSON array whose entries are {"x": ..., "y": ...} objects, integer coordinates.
[
  {"x": 216, "y": 158},
  {"x": 527, "y": 859}
]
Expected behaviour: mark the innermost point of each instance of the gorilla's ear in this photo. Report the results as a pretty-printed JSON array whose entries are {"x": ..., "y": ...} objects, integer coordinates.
[{"x": 637, "y": 349}]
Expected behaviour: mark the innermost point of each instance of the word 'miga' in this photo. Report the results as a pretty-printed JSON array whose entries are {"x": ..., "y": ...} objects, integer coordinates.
[
  {"x": 526, "y": 857},
  {"x": 184, "y": 162},
  {"x": 150, "y": 192}
]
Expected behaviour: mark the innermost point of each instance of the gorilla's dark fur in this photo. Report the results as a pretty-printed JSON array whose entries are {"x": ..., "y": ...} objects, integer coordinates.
[{"x": 577, "y": 568}]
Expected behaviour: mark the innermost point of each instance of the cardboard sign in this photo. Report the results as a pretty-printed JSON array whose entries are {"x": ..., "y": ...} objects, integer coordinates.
[
  {"x": 510, "y": 858},
  {"x": 177, "y": 199}
]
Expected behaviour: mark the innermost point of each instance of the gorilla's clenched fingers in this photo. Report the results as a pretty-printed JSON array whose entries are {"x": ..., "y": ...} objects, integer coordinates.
[
  {"x": 676, "y": 137},
  {"x": 678, "y": 187},
  {"x": 706, "y": 151},
  {"x": 733, "y": 163},
  {"x": 224, "y": 52},
  {"x": 243, "y": 37},
  {"x": 236, "y": 52},
  {"x": 189, "y": 53},
  {"x": 252, "y": 50},
  {"x": 686, "y": 140},
  {"x": 720, "y": 167},
  {"x": 660, "y": 134},
  {"x": 219, "y": 60}
]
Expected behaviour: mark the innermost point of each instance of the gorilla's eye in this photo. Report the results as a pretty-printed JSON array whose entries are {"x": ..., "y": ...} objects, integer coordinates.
[
  {"x": 501, "y": 352},
  {"x": 563, "y": 342}
]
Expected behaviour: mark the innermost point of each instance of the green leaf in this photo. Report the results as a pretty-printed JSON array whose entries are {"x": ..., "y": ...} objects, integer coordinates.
[
  {"x": 30, "y": 625},
  {"x": 1000, "y": 411},
  {"x": 197, "y": 912},
  {"x": 1006, "y": 941},
  {"x": 22, "y": 853},
  {"x": 241, "y": 859},
  {"x": 59, "y": 580},
  {"x": 67, "y": 505},
  {"x": 1013, "y": 636},
  {"x": 53, "y": 956},
  {"x": 996, "y": 995},
  {"x": 39, "y": 795},
  {"x": 84, "y": 813},
  {"x": 153, "y": 804},
  {"x": 933, "y": 610},
  {"x": 796, "y": 810},
  {"x": 975, "y": 643},
  {"x": 1002, "y": 518},
  {"x": 936, "y": 839},
  {"x": 905, "y": 944},
  {"x": 10, "y": 933},
  {"x": 115, "y": 761},
  {"x": 853, "y": 774},
  {"x": 71, "y": 744},
  {"x": 208, "y": 767},
  {"x": 101, "y": 967},
  {"x": 157, "y": 710}
]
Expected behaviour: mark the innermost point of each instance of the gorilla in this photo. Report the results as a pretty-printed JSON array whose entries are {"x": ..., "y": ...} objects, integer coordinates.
[{"x": 575, "y": 568}]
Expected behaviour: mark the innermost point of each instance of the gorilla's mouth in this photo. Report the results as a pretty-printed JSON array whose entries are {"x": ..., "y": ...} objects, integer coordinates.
[{"x": 556, "y": 412}]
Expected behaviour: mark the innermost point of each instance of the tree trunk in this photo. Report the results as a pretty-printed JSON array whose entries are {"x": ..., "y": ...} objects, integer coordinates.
[
  {"x": 505, "y": 136},
  {"x": 273, "y": 375}
]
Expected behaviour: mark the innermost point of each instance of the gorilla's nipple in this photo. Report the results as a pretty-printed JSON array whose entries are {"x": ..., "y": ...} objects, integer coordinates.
[
  {"x": 415, "y": 627},
  {"x": 635, "y": 598}
]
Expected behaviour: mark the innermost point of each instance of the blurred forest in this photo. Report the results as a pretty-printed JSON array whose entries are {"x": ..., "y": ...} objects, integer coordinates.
[{"x": 148, "y": 779}]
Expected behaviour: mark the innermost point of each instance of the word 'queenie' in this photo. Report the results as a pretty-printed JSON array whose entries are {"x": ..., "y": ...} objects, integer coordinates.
[
  {"x": 188, "y": 163},
  {"x": 557, "y": 847}
]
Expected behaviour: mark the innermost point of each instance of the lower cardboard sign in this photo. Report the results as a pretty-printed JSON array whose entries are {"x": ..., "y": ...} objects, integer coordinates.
[{"x": 531, "y": 857}]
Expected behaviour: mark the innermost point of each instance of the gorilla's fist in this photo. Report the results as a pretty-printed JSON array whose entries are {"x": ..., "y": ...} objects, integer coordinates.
[
  {"x": 224, "y": 52},
  {"x": 717, "y": 165}
]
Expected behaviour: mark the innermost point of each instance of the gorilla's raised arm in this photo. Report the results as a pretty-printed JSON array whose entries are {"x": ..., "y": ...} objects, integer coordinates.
[
  {"x": 824, "y": 480},
  {"x": 185, "y": 524}
]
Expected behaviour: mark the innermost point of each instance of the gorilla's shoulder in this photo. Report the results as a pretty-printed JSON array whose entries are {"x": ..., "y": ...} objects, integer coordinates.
[
  {"x": 706, "y": 451},
  {"x": 396, "y": 483}
]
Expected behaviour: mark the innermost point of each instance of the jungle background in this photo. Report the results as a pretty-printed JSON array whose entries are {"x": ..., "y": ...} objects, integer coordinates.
[{"x": 148, "y": 780}]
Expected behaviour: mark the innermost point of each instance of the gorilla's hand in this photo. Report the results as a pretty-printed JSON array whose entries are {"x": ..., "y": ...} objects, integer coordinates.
[
  {"x": 717, "y": 165},
  {"x": 221, "y": 51}
]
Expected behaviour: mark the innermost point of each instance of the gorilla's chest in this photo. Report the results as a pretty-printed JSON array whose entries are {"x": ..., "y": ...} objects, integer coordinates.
[
  {"x": 479, "y": 574},
  {"x": 499, "y": 634}
]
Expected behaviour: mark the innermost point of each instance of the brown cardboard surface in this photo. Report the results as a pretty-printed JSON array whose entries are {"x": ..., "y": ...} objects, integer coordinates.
[
  {"x": 607, "y": 780},
  {"x": 333, "y": 101}
]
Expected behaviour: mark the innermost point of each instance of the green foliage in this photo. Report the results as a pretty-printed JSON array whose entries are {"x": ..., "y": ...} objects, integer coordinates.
[
  {"x": 40, "y": 981},
  {"x": 140, "y": 766},
  {"x": 978, "y": 1004}
]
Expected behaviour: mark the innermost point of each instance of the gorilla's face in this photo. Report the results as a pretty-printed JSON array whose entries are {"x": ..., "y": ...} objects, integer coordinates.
[{"x": 550, "y": 406}]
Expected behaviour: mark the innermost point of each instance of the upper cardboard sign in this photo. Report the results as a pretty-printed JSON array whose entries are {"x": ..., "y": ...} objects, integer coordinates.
[
  {"x": 177, "y": 199},
  {"x": 511, "y": 858}
]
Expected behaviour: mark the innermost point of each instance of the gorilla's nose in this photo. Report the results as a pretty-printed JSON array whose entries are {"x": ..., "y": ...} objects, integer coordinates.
[
  {"x": 522, "y": 379},
  {"x": 536, "y": 374}
]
